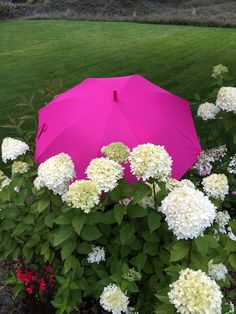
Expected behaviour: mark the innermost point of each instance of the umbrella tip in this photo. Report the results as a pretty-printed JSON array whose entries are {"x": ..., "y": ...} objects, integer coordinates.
[{"x": 115, "y": 97}]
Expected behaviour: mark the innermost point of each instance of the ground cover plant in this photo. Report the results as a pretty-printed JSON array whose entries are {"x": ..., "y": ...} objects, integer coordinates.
[{"x": 157, "y": 245}]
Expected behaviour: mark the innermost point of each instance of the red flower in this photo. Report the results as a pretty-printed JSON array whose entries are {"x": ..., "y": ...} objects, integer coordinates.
[
  {"x": 29, "y": 290},
  {"x": 19, "y": 274},
  {"x": 48, "y": 268},
  {"x": 42, "y": 284}
]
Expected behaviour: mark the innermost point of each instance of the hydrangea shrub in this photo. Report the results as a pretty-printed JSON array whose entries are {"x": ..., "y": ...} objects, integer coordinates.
[{"x": 157, "y": 245}]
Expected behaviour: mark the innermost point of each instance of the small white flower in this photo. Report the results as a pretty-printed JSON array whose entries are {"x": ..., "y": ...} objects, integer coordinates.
[
  {"x": 12, "y": 148},
  {"x": 150, "y": 161},
  {"x": 19, "y": 167},
  {"x": 217, "y": 271},
  {"x": 82, "y": 194},
  {"x": 97, "y": 255},
  {"x": 114, "y": 300},
  {"x": 232, "y": 165},
  {"x": 188, "y": 212},
  {"x": 226, "y": 99},
  {"x": 219, "y": 70},
  {"x": 207, "y": 111},
  {"x": 195, "y": 293},
  {"x": 105, "y": 173},
  {"x": 55, "y": 174},
  {"x": 222, "y": 219},
  {"x": 4, "y": 180},
  {"x": 173, "y": 183},
  {"x": 117, "y": 151},
  {"x": 216, "y": 186}
]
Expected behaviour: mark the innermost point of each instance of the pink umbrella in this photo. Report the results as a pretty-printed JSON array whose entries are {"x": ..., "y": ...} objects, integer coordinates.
[{"x": 126, "y": 109}]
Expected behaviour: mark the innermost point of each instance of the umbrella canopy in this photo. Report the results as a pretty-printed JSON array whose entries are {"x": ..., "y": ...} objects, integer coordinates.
[{"x": 127, "y": 109}]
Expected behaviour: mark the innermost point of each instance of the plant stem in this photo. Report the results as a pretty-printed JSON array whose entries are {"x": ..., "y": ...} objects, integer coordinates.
[
  {"x": 154, "y": 195},
  {"x": 190, "y": 251}
]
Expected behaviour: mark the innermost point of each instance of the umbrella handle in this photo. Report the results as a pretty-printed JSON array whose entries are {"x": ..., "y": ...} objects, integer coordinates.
[{"x": 43, "y": 128}]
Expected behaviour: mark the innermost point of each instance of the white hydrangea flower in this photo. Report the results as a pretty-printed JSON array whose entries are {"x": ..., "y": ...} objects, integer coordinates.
[
  {"x": 207, "y": 111},
  {"x": 216, "y": 186},
  {"x": 226, "y": 99},
  {"x": 173, "y": 183},
  {"x": 114, "y": 300},
  {"x": 219, "y": 70},
  {"x": 217, "y": 271},
  {"x": 82, "y": 194},
  {"x": 195, "y": 293},
  {"x": 131, "y": 310},
  {"x": 4, "y": 180},
  {"x": 12, "y": 148},
  {"x": 55, "y": 174},
  {"x": 105, "y": 173},
  {"x": 232, "y": 165},
  {"x": 19, "y": 167},
  {"x": 117, "y": 151},
  {"x": 150, "y": 161},
  {"x": 222, "y": 219},
  {"x": 97, "y": 255},
  {"x": 188, "y": 212}
]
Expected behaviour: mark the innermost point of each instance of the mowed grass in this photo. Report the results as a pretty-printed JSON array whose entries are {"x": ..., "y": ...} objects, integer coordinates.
[{"x": 178, "y": 58}]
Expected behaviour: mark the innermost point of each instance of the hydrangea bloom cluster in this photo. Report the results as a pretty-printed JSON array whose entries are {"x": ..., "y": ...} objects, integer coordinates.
[
  {"x": 55, "y": 174},
  {"x": 188, "y": 212},
  {"x": 19, "y": 167},
  {"x": 104, "y": 173},
  {"x": 13, "y": 148},
  {"x": 114, "y": 300},
  {"x": 150, "y": 161},
  {"x": 222, "y": 219},
  {"x": 173, "y": 183},
  {"x": 216, "y": 186},
  {"x": 226, "y": 99},
  {"x": 232, "y": 165},
  {"x": 206, "y": 158},
  {"x": 207, "y": 111},
  {"x": 82, "y": 194},
  {"x": 117, "y": 151},
  {"x": 4, "y": 180},
  {"x": 195, "y": 292},
  {"x": 132, "y": 275},
  {"x": 217, "y": 271},
  {"x": 97, "y": 255},
  {"x": 219, "y": 70}
]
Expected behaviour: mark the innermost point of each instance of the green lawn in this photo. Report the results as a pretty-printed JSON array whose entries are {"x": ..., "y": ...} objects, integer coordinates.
[{"x": 178, "y": 58}]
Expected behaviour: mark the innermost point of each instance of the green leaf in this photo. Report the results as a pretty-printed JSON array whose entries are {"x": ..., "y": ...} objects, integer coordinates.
[
  {"x": 43, "y": 204},
  {"x": 179, "y": 250},
  {"x": 67, "y": 249},
  {"x": 62, "y": 220},
  {"x": 20, "y": 228},
  {"x": 165, "y": 309},
  {"x": 142, "y": 191},
  {"x": 126, "y": 232},
  {"x": 154, "y": 221},
  {"x": 84, "y": 248},
  {"x": 90, "y": 233},
  {"x": 49, "y": 220},
  {"x": 137, "y": 211},
  {"x": 62, "y": 234},
  {"x": 78, "y": 222},
  {"x": 232, "y": 260},
  {"x": 119, "y": 212},
  {"x": 204, "y": 243},
  {"x": 232, "y": 224},
  {"x": 140, "y": 261}
]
